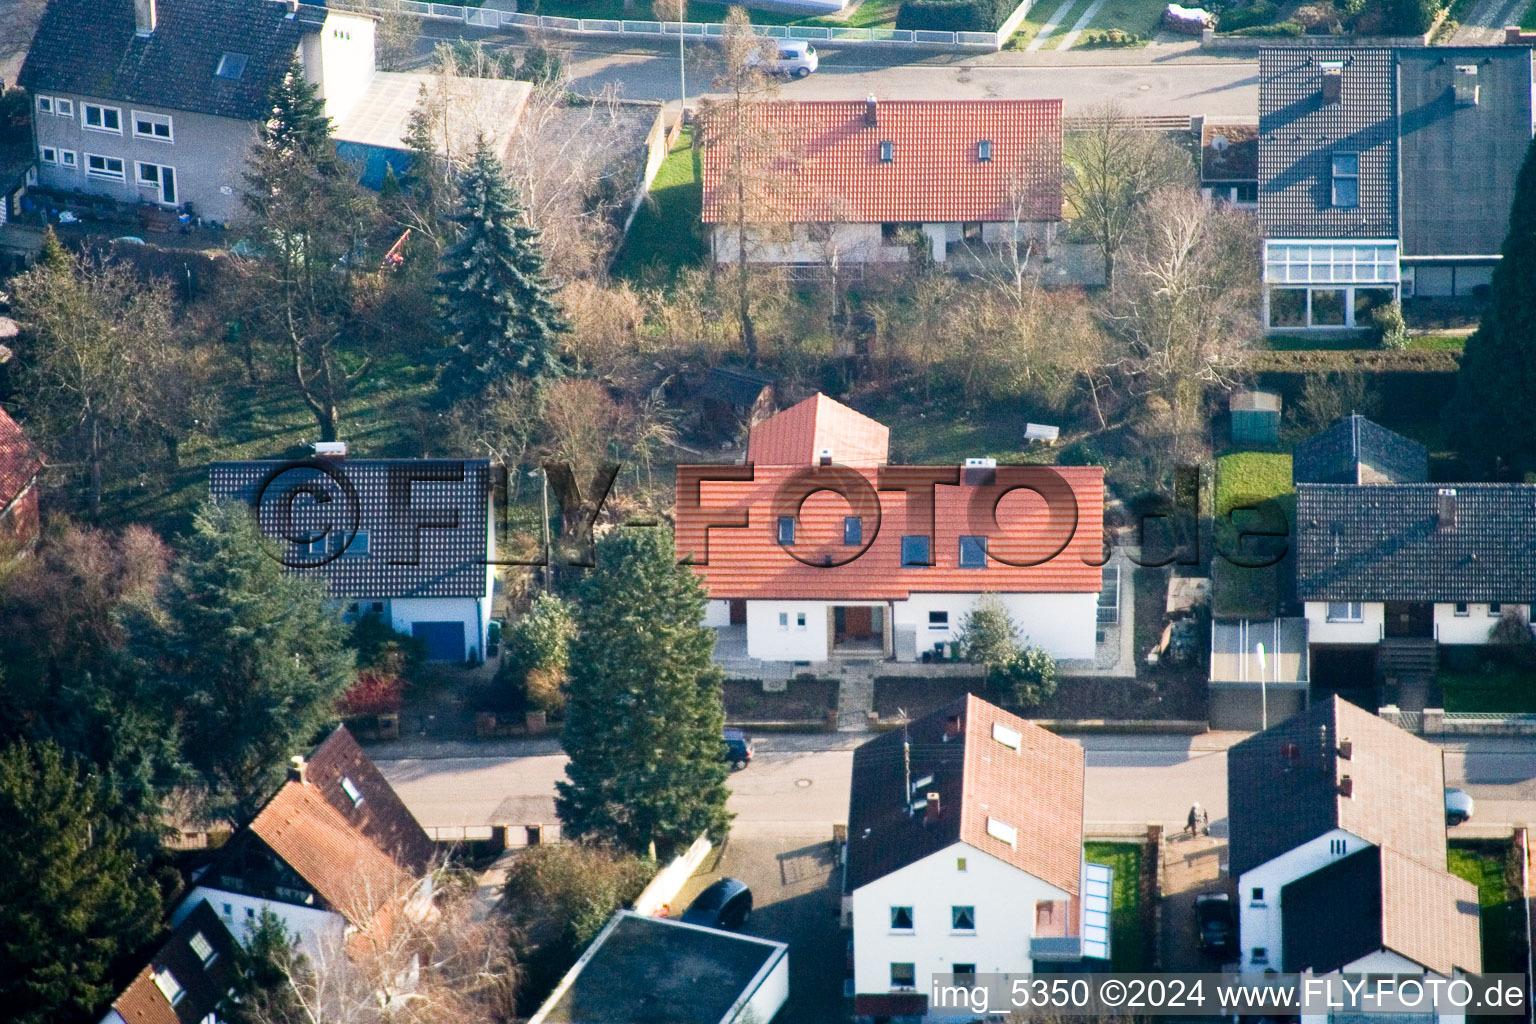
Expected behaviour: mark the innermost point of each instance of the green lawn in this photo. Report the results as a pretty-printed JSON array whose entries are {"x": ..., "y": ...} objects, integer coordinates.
[
  {"x": 1139, "y": 16},
  {"x": 1504, "y": 691},
  {"x": 1528, "y": 19},
  {"x": 1503, "y": 919},
  {"x": 1439, "y": 342},
  {"x": 869, "y": 14},
  {"x": 381, "y": 419},
  {"x": 1243, "y": 479},
  {"x": 1126, "y": 948},
  {"x": 666, "y": 234}
]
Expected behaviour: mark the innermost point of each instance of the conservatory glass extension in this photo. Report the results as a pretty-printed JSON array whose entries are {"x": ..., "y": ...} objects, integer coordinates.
[{"x": 1321, "y": 284}]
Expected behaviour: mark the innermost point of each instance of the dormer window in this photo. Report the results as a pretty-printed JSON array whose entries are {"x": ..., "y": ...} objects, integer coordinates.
[
  {"x": 231, "y": 66},
  {"x": 887, "y": 152},
  {"x": 1333, "y": 81},
  {"x": 984, "y": 150},
  {"x": 1346, "y": 180}
]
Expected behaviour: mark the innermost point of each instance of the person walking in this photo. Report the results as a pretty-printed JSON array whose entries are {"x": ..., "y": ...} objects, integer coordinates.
[
  {"x": 1194, "y": 820},
  {"x": 1205, "y": 822}
]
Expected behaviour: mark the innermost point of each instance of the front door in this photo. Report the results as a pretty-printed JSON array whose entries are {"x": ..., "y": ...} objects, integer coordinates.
[
  {"x": 161, "y": 178},
  {"x": 1409, "y": 618},
  {"x": 738, "y": 612}
]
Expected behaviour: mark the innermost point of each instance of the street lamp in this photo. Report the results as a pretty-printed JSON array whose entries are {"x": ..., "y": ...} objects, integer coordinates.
[
  {"x": 1263, "y": 692},
  {"x": 682, "y": 60}
]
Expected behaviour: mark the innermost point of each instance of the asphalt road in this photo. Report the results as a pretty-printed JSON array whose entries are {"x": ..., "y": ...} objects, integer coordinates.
[
  {"x": 796, "y": 784},
  {"x": 1220, "y": 88}
]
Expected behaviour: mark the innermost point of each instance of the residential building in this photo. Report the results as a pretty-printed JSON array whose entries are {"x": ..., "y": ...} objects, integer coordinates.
[
  {"x": 408, "y": 539},
  {"x": 965, "y": 856},
  {"x": 190, "y": 980},
  {"x": 1229, "y": 163},
  {"x": 832, "y": 181},
  {"x": 20, "y": 466},
  {"x": 353, "y": 785},
  {"x": 300, "y": 859},
  {"x": 651, "y": 970},
  {"x": 1388, "y": 572},
  {"x": 1337, "y": 840},
  {"x": 817, "y": 548},
  {"x": 1354, "y": 450},
  {"x": 157, "y": 101},
  {"x": 1385, "y": 174}
]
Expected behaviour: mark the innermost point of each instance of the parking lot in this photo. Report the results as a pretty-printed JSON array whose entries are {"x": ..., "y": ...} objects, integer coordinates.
[{"x": 793, "y": 874}]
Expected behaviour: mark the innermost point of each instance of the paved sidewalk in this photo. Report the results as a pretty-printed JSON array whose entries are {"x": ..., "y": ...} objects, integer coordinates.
[
  {"x": 1485, "y": 23},
  {"x": 1188, "y": 867}
]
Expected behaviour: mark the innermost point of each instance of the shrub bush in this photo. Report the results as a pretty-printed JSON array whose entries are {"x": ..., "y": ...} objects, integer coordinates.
[
  {"x": 1392, "y": 331},
  {"x": 1260, "y": 12},
  {"x": 383, "y": 649},
  {"x": 1279, "y": 28},
  {"x": 1317, "y": 17},
  {"x": 954, "y": 15},
  {"x": 1110, "y": 38}
]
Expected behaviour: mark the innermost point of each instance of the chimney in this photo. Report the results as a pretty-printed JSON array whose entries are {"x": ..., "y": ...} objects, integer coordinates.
[
  {"x": 931, "y": 812},
  {"x": 1464, "y": 85},
  {"x": 1346, "y": 786},
  {"x": 1333, "y": 81},
  {"x": 144, "y": 17},
  {"x": 979, "y": 472},
  {"x": 331, "y": 449},
  {"x": 1445, "y": 509},
  {"x": 951, "y": 728},
  {"x": 296, "y": 769},
  {"x": 1346, "y": 749},
  {"x": 871, "y": 112},
  {"x": 824, "y": 457}
]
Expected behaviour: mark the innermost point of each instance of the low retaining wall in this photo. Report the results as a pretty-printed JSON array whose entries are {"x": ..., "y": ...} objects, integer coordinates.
[
  {"x": 669, "y": 881},
  {"x": 1438, "y": 722},
  {"x": 1209, "y": 40},
  {"x": 1171, "y": 726}
]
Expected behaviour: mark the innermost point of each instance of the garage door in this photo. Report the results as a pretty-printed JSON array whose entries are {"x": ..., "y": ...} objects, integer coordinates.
[{"x": 445, "y": 640}]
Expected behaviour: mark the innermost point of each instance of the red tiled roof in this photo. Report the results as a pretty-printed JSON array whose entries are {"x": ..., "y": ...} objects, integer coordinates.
[
  {"x": 381, "y": 815},
  {"x": 795, "y": 436},
  {"x": 1036, "y": 789},
  {"x": 352, "y": 875},
  {"x": 747, "y": 561},
  {"x": 19, "y": 460},
  {"x": 820, "y": 161},
  {"x": 142, "y": 1002}
]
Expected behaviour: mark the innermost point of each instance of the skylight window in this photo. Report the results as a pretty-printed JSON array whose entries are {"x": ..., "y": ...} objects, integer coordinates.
[
  {"x": 350, "y": 788},
  {"x": 202, "y": 948},
  {"x": 887, "y": 152},
  {"x": 231, "y": 66},
  {"x": 984, "y": 150},
  {"x": 1006, "y": 736},
  {"x": 1002, "y": 830}
]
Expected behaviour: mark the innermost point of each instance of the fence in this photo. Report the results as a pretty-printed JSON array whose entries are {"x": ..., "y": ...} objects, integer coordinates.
[
  {"x": 670, "y": 879},
  {"x": 478, "y": 17},
  {"x": 457, "y": 833},
  {"x": 1438, "y": 722}
]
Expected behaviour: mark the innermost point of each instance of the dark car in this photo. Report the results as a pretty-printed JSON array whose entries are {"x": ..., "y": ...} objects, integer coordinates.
[
  {"x": 1217, "y": 924},
  {"x": 738, "y": 749},
  {"x": 724, "y": 904}
]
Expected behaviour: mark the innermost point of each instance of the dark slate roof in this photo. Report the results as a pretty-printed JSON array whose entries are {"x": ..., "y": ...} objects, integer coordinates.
[
  {"x": 1378, "y": 898},
  {"x": 1385, "y": 542},
  {"x": 1037, "y": 789},
  {"x": 380, "y": 815},
  {"x": 204, "y": 985},
  {"x": 1354, "y": 444},
  {"x": 1283, "y": 786},
  {"x": 650, "y": 970},
  {"x": 1459, "y": 163},
  {"x": 1299, "y": 133},
  {"x": 397, "y": 500},
  {"x": 89, "y": 47}
]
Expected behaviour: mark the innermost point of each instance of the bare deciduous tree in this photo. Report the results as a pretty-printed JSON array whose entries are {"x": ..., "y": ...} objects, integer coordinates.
[{"x": 1111, "y": 168}]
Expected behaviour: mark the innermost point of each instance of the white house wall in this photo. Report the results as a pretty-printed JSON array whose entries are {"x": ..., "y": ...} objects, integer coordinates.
[
  {"x": 473, "y": 612},
  {"x": 717, "y": 613},
  {"x": 1367, "y": 631},
  {"x": 1471, "y": 628},
  {"x": 805, "y": 243},
  {"x": 1261, "y": 926},
  {"x": 1384, "y": 961},
  {"x": 1004, "y": 898},
  {"x": 1066, "y": 625},
  {"x": 339, "y": 59},
  {"x": 316, "y": 929},
  {"x": 766, "y": 641}
]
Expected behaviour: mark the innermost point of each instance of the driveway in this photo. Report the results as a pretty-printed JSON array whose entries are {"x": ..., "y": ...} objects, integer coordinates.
[
  {"x": 1190, "y": 867},
  {"x": 795, "y": 879}
]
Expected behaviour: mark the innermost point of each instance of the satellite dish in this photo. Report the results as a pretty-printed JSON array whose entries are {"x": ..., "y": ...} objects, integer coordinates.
[{"x": 1220, "y": 143}]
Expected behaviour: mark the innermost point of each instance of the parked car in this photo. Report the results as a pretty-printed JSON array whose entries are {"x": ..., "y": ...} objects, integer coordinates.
[
  {"x": 725, "y": 904},
  {"x": 1216, "y": 922},
  {"x": 1458, "y": 806},
  {"x": 795, "y": 58},
  {"x": 738, "y": 749}
]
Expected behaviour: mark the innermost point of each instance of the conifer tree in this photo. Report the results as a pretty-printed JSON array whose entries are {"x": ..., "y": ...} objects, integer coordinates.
[
  {"x": 1489, "y": 414},
  {"x": 498, "y": 305},
  {"x": 643, "y": 711},
  {"x": 75, "y": 902}
]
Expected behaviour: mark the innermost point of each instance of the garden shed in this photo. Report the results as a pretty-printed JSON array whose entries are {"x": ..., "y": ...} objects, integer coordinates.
[{"x": 1255, "y": 417}]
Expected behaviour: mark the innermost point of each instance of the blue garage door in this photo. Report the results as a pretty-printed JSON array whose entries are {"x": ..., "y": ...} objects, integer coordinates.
[{"x": 445, "y": 640}]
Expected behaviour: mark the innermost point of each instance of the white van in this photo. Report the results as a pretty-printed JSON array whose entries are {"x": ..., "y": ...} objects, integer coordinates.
[{"x": 795, "y": 57}]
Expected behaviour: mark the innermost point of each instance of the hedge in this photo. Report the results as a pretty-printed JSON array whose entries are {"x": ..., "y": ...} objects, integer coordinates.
[{"x": 954, "y": 15}]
